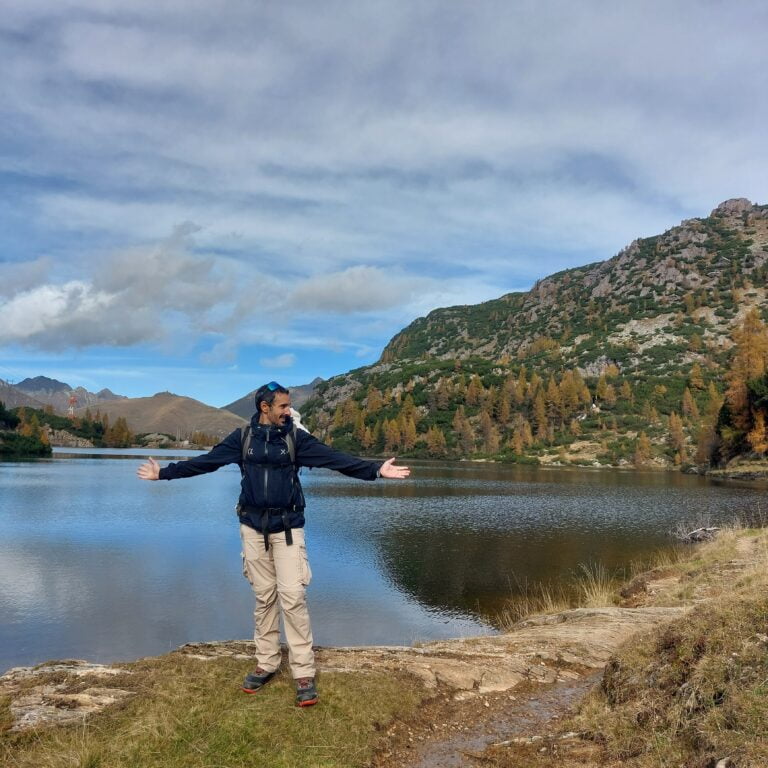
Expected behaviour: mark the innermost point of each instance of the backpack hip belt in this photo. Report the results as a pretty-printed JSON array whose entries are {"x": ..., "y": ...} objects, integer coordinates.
[{"x": 262, "y": 514}]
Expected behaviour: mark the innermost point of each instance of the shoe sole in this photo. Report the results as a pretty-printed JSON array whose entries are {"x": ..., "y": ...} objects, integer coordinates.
[{"x": 308, "y": 703}]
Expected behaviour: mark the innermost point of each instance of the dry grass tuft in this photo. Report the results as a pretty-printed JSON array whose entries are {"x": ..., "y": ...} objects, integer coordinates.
[
  {"x": 531, "y": 600},
  {"x": 596, "y": 587}
]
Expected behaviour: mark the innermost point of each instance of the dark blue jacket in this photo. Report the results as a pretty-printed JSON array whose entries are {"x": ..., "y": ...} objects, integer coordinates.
[{"x": 270, "y": 480}]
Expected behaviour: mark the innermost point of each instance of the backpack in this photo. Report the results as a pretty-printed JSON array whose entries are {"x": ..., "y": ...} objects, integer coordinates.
[{"x": 290, "y": 441}]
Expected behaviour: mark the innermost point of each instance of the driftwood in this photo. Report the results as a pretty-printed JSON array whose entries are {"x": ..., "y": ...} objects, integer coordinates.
[{"x": 700, "y": 534}]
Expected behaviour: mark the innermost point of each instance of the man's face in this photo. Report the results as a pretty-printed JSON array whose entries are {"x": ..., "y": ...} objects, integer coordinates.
[{"x": 277, "y": 412}]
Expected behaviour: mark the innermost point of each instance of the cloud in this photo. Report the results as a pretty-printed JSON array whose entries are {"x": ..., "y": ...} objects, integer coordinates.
[
  {"x": 287, "y": 360},
  {"x": 356, "y": 289},
  {"x": 338, "y": 162},
  {"x": 17, "y": 278},
  {"x": 148, "y": 294}
]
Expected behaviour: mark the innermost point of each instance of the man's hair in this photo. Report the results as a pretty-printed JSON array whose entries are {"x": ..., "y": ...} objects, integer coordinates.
[{"x": 266, "y": 394}]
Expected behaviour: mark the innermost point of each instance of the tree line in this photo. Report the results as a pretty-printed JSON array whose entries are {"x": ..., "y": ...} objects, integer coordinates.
[{"x": 700, "y": 417}]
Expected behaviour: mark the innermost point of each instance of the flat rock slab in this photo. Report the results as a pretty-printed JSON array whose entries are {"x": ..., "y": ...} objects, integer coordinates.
[
  {"x": 542, "y": 649},
  {"x": 37, "y": 701}
]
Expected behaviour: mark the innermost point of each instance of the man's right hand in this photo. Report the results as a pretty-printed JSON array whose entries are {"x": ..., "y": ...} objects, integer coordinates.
[{"x": 149, "y": 470}]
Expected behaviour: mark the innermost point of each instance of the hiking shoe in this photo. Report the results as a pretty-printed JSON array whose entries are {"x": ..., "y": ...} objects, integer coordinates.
[
  {"x": 306, "y": 693},
  {"x": 257, "y": 679}
]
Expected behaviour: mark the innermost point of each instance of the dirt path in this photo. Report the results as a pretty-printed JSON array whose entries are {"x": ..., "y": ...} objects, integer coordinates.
[{"x": 449, "y": 734}]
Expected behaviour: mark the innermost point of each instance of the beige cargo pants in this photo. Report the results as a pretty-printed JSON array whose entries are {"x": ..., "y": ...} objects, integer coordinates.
[{"x": 279, "y": 577}]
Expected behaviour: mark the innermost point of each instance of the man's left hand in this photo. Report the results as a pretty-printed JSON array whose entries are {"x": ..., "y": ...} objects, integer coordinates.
[{"x": 391, "y": 472}]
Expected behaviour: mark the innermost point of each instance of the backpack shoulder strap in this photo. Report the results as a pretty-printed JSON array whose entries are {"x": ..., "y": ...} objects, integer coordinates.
[
  {"x": 245, "y": 444},
  {"x": 290, "y": 440}
]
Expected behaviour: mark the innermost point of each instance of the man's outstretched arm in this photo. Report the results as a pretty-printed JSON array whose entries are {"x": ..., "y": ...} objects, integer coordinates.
[
  {"x": 228, "y": 451},
  {"x": 310, "y": 452}
]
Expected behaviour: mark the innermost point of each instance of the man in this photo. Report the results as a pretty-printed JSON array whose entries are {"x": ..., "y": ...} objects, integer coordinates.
[{"x": 271, "y": 512}]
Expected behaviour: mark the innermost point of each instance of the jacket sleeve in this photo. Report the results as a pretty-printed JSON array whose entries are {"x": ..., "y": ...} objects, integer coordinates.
[
  {"x": 310, "y": 452},
  {"x": 228, "y": 451}
]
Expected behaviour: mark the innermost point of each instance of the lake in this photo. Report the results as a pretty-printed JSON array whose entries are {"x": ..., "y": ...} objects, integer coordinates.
[{"x": 97, "y": 564}]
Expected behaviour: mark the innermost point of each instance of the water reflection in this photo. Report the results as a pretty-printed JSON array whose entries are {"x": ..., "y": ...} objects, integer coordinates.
[
  {"x": 95, "y": 564},
  {"x": 469, "y": 536}
]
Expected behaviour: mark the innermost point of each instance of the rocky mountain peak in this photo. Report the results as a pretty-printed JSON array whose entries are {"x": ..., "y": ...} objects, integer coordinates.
[{"x": 735, "y": 205}]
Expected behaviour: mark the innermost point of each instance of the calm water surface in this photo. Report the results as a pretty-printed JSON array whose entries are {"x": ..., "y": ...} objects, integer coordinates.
[{"x": 97, "y": 564}]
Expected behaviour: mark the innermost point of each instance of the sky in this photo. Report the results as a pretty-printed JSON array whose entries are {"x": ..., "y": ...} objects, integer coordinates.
[{"x": 201, "y": 197}]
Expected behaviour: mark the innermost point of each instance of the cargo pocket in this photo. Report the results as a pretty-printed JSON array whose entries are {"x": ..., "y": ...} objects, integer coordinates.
[
  {"x": 245, "y": 568},
  {"x": 305, "y": 572}
]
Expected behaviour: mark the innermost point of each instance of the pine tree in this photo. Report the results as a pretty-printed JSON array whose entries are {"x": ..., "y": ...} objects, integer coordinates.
[
  {"x": 521, "y": 386},
  {"x": 464, "y": 434},
  {"x": 642, "y": 450},
  {"x": 409, "y": 435},
  {"x": 436, "y": 445},
  {"x": 360, "y": 426},
  {"x": 474, "y": 391},
  {"x": 757, "y": 436},
  {"x": 505, "y": 408},
  {"x": 443, "y": 394},
  {"x": 350, "y": 412},
  {"x": 374, "y": 400},
  {"x": 676, "y": 435},
  {"x": 695, "y": 378},
  {"x": 749, "y": 362},
  {"x": 392, "y": 437},
  {"x": 690, "y": 408},
  {"x": 491, "y": 438},
  {"x": 553, "y": 402},
  {"x": 540, "y": 415}
]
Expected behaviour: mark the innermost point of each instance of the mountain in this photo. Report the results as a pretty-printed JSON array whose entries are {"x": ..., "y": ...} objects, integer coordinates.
[
  {"x": 630, "y": 303},
  {"x": 57, "y": 393},
  {"x": 611, "y": 347},
  {"x": 244, "y": 407},
  {"x": 12, "y": 397},
  {"x": 168, "y": 413}
]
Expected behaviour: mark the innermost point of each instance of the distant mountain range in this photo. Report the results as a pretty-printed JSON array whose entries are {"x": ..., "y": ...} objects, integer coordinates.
[
  {"x": 164, "y": 412},
  {"x": 58, "y": 393},
  {"x": 170, "y": 414}
]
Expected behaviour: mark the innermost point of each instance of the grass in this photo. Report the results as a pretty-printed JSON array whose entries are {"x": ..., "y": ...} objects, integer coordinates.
[
  {"x": 592, "y": 587},
  {"x": 688, "y": 694},
  {"x": 189, "y": 713}
]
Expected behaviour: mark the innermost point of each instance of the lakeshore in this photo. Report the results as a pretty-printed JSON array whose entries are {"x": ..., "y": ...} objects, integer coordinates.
[{"x": 396, "y": 706}]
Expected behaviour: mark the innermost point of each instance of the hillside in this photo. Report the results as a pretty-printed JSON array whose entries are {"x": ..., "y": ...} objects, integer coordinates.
[
  {"x": 577, "y": 368},
  {"x": 643, "y": 305},
  {"x": 170, "y": 414},
  {"x": 244, "y": 407}
]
